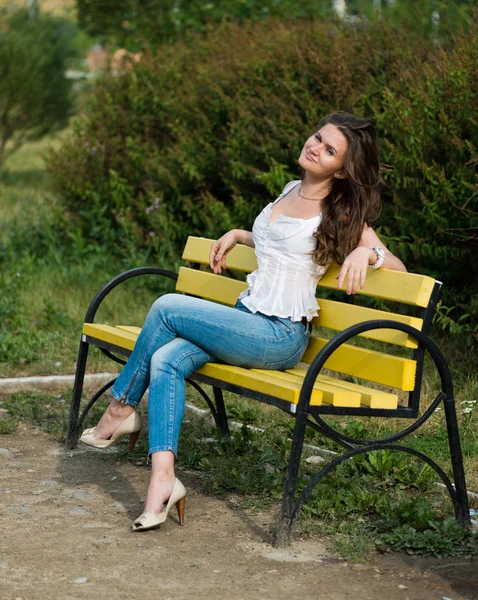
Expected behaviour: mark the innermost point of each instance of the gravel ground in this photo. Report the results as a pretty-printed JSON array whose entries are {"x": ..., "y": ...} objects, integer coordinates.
[{"x": 65, "y": 534}]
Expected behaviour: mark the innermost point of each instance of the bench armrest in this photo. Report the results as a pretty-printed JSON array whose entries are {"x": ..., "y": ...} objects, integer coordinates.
[
  {"x": 108, "y": 287},
  {"x": 343, "y": 336}
]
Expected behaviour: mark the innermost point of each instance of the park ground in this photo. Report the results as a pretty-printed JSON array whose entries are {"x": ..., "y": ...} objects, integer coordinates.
[{"x": 65, "y": 534}]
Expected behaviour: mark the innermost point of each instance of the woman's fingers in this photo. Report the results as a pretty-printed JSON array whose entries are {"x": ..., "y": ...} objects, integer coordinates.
[
  {"x": 219, "y": 250},
  {"x": 350, "y": 281},
  {"x": 363, "y": 277},
  {"x": 341, "y": 276},
  {"x": 215, "y": 257},
  {"x": 212, "y": 254},
  {"x": 355, "y": 274}
]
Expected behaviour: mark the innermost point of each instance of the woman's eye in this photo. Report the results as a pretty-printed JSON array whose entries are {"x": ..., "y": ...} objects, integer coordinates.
[
  {"x": 317, "y": 137},
  {"x": 329, "y": 150}
]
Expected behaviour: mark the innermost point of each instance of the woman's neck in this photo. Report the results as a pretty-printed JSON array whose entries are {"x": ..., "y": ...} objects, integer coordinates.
[{"x": 315, "y": 188}]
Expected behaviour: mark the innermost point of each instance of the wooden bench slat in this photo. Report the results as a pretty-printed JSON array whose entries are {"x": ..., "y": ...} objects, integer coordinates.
[
  {"x": 331, "y": 394},
  {"x": 241, "y": 258},
  {"x": 333, "y": 315},
  {"x": 369, "y": 396},
  {"x": 258, "y": 382},
  {"x": 209, "y": 286},
  {"x": 408, "y": 288},
  {"x": 129, "y": 328},
  {"x": 339, "y": 316},
  {"x": 111, "y": 335},
  {"x": 385, "y": 369}
]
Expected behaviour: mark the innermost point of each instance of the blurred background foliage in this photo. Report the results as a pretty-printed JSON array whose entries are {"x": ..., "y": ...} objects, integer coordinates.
[
  {"x": 212, "y": 127},
  {"x": 202, "y": 127},
  {"x": 35, "y": 94},
  {"x": 146, "y": 23}
]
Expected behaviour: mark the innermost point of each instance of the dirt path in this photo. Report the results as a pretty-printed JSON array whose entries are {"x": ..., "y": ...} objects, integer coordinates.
[{"x": 64, "y": 535}]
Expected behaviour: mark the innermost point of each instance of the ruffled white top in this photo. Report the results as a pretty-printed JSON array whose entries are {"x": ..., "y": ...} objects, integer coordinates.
[{"x": 285, "y": 282}]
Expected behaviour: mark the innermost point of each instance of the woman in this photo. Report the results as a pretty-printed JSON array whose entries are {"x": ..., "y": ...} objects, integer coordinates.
[{"x": 324, "y": 217}]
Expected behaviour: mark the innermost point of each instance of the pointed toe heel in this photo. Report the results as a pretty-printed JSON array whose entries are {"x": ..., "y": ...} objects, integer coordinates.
[
  {"x": 153, "y": 520},
  {"x": 133, "y": 438},
  {"x": 131, "y": 425},
  {"x": 180, "y": 505}
]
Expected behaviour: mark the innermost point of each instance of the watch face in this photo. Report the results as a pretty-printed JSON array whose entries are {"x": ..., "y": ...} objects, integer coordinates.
[{"x": 380, "y": 252}]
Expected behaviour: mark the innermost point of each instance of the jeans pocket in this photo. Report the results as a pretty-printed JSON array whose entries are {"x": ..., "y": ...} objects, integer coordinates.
[{"x": 285, "y": 324}]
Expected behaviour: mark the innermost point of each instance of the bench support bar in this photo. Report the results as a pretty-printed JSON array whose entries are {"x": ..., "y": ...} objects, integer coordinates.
[
  {"x": 458, "y": 493},
  {"x": 73, "y": 431}
]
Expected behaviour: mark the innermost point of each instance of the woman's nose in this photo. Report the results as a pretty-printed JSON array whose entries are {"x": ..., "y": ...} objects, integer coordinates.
[{"x": 316, "y": 147}]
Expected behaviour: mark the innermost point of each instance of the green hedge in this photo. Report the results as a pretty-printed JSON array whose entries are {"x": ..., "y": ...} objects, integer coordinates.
[{"x": 202, "y": 134}]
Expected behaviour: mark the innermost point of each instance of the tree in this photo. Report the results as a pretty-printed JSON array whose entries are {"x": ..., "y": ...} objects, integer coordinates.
[{"x": 35, "y": 95}]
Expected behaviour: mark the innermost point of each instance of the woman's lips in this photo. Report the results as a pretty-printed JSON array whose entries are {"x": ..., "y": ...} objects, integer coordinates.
[{"x": 309, "y": 156}]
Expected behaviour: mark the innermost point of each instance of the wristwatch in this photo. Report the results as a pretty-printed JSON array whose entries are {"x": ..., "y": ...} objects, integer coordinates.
[{"x": 380, "y": 254}]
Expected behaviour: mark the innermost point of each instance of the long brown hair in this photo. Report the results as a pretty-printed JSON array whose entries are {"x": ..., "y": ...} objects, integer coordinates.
[{"x": 354, "y": 200}]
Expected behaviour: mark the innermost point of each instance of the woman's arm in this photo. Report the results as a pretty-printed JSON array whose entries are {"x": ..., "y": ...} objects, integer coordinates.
[
  {"x": 357, "y": 262},
  {"x": 370, "y": 239},
  {"x": 219, "y": 250},
  {"x": 244, "y": 237}
]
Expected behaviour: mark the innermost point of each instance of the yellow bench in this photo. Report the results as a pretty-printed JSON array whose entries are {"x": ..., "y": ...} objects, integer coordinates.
[{"x": 390, "y": 381}]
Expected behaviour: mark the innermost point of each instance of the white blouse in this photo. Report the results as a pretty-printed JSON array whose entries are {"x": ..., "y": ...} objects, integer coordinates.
[{"x": 285, "y": 281}]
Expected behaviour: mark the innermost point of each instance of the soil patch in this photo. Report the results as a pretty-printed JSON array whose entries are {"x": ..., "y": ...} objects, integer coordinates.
[{"x": 65, "y": 534}]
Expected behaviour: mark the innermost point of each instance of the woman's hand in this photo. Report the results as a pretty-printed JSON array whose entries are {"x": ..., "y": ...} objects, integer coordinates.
[
  {"x": 355, "y": 268},
  {"x": 219, "y": 250}
]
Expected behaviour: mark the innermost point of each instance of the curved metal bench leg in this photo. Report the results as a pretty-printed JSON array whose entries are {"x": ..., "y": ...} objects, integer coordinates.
[
  {"x": 284, "y": 529},
  {"x": 73, "y": 432},
  {"x": 462, "y": 509},
  {"x": 221, "y": 412}
]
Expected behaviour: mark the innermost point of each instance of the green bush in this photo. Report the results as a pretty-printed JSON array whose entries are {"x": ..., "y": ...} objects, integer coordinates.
[
  {"x": 35, "y": 95},
  {"x": 202, "y": 134}
]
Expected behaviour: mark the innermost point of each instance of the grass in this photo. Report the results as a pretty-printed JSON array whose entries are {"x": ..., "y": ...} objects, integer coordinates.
[{"x": 47, "y": 280}]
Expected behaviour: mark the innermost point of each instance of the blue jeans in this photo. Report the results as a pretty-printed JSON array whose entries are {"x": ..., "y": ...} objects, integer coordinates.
[{"x": 181, "y": 334}]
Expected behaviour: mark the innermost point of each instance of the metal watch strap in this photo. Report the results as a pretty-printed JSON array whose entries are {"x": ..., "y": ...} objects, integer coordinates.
[{"x": 380, "y": 254}]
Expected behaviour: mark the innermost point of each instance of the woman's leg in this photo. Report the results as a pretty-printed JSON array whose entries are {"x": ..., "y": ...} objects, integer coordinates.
[
  {"x": 230, "y": 335},
  {"x": 237, "y": 338},
  {"x": 170, "y": 366}
]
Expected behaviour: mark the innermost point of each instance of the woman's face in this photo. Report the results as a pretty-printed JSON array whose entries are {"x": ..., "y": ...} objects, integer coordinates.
[{"x": 323, "y": 153}]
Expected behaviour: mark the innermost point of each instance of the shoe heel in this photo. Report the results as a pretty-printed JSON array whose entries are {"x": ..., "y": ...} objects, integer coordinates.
[
  {"x": 180, "y": 504},
  {"x": 133, "y": 438}
]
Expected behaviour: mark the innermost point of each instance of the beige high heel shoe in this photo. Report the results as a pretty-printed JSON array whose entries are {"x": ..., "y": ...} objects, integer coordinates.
[
  {"x": 152, "y": 520},
  {"x": 131, "y": 425}
]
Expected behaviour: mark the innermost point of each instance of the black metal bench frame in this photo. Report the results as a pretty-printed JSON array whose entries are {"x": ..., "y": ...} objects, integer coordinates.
[{"x": 304, "y": 412}]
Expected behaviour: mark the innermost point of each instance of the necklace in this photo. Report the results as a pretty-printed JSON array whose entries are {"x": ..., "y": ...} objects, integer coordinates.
[{"x": 306, "y": 198}]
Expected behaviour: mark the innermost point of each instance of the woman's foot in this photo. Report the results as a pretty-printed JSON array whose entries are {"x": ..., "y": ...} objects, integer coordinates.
[
  {"x": 115, "y": 414},
  {"x": 159, "y": 492},
  {"x": 152, "y": 518}
]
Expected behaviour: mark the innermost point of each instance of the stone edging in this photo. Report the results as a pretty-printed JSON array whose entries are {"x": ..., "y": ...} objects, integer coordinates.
[{"x": 13, "y": 385}]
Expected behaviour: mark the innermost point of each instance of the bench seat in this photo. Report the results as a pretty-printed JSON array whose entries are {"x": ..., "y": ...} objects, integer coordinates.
[{"x": 283, "y": 385}]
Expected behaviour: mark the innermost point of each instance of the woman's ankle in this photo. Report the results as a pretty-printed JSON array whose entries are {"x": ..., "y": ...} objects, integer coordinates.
[{"x": 118, "y": 409}]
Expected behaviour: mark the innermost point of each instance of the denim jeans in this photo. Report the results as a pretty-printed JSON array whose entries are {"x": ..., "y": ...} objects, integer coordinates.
[{"x": 181, "y": 334}]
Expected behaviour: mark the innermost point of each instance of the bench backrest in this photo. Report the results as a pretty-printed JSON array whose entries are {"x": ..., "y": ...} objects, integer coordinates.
[{"x": 383, "y": 367}]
